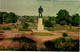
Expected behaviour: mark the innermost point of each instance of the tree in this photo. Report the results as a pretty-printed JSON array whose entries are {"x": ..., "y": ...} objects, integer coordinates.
[
  {"x": 8, "y": 17},
  {"x": 0, "y": 18},
  {"x": 63, "y": 16},
  {"x": 63, "y": 22},
  {"x": 32, "y": 20},
  {"x": 25, "y": 25},
  {"x": 65, "y": 34},
  {"x": 75, "y": 19},
  {"x": 52, "y": 20},
  {"x": 53, "y": 23},
  {"x": 47, "y": 23},
  {"x": 3, "y": 15},
  {"x": 50, "y": 46},
  {"x": 11, "y": 18}
]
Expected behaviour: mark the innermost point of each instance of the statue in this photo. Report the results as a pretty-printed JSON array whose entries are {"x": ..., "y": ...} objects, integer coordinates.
[
  {"x": 40, "y": 25},
  {"x": 40, "y": 10}
]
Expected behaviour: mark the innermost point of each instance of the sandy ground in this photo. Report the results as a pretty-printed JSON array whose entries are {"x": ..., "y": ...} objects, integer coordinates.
[{"x": 38, "y": 39}]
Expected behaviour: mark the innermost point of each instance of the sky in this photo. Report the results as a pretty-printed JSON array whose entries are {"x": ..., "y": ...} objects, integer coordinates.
[{"x": 30, "y": 7}]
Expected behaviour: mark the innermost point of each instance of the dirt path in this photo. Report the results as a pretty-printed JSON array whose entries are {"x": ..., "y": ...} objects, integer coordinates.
[{"x": 38, "y": 39}]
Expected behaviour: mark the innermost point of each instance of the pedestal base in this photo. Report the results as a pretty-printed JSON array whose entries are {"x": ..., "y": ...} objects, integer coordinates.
[
  {"x": 40, "y": 26},
  {"x": 34, "y": 30}
]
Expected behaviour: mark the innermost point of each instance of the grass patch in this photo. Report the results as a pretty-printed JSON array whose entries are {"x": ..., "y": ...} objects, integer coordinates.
[
  {"x": 73, "y": 30},
  {"x": 42, "y": 34},
  {"x": 24, "y": 29},
  {"x": 49, "y": 29},
  {"x": 5, "y": 28},
  {"x": 60, "y": 29}
]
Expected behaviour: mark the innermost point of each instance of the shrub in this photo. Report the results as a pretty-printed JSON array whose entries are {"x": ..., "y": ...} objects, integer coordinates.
[
  {"x": 23, "y": 39},
  {"x": 1, "y": 38},
  {"x": 73, "y": 30},
  {"x": 65, "y": 34},
  {"x": 25, "y": 25},
  {"x": 49, "y": 29},
  {"x": 63, "y": 23},
  {"x": 59, "y": 45},
  {"x": 25, "y": 44},
  {"x": 26, "y": 29},
  {"x": 23, "y": 47},
  {"x": 27, "y": 47},
  {"x": 61, "y": 39},
  {"x": 49, "y": 45},
  {"x": 6, "y": 28},
  {"x": 13, "y": 24},
  {"x": 47, "y": 23}
]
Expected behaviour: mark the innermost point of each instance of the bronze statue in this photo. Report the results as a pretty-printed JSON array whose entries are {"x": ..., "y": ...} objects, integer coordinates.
[{"x": 40, "y": 10}]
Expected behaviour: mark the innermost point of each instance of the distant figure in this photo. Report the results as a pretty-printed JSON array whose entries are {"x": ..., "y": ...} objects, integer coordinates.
[
  {"x": 40, "y": 10},
  {"x": 22, "y": 21}
]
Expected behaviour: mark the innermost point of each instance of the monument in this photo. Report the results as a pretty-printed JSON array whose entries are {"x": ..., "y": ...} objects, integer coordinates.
[{"x": 40, "y": 26}]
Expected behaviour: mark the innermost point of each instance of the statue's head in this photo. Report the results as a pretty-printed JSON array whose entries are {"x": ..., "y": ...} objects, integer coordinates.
[{"x": 40, "y": 7}]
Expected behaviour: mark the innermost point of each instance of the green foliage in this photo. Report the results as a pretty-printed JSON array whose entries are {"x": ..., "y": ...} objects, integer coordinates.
[
  {"x": 8, "y": 17},
  {"x": 65, "y": 34},
  {"x": 24, "y": 29},
  {"x": 1, "y": 39},
  {"x": 25, "y": 44},
  {"x": 61, "y": 39},
  {"x": 28, "y": 47},
  {"x": 63, "y": 17},
  {"x": 25, "y": 25},
  {"x": 51, "y": 18},
  {"x": 5, "y": 28},
  {"x": 53, "y": 23},
  {"x": 31, "y": 20},
  {"x": 41, "y": 34},
  {"x": 62, "y": 44},
  {"x": 47, "y": 23},
  {"x": 12, "y": 18},
  {"x": 75, "y": 19},
  {"x": 22, "y": 47},
  {"x": 73, "y": 30},
  {"x": 49, "y": 29},
  {"x": 23, "y": 39},
  {"x": 3, "y": 15},
  {"x": 50, "y": 46},
  {"x": 63, "y": 23},
  {"x": 70, "y": 26}
]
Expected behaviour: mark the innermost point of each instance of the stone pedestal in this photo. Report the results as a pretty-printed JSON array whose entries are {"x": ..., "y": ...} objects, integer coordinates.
[{"x": 40, "y": 26}]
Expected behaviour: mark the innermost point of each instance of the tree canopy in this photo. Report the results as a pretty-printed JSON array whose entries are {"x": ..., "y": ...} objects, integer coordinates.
[
  {"x": 63, "y": 18},
  {"x": 8, "y": 17},
  {"x": 75, "y": 19}
]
